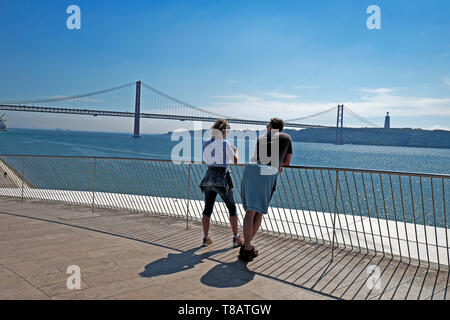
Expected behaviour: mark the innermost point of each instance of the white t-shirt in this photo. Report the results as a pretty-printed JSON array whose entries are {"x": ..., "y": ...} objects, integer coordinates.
[{"x": 217, "y": 153}]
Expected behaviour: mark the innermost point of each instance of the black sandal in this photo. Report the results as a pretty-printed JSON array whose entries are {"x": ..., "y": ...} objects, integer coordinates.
[
  {"x": 248, "y": 255},
  {"x": 255, "y": 251}
]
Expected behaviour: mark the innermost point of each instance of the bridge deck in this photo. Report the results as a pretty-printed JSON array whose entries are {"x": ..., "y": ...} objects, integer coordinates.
[
  {"x": 142, "y": 256},
  {"x": 125, "y": 114}
]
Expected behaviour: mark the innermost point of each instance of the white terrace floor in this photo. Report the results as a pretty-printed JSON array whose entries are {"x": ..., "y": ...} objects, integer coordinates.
[{"x": 123, "y": 255}]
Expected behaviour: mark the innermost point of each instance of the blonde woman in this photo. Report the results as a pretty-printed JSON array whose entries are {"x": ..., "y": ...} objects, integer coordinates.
[{"x": 217, "y": 153}]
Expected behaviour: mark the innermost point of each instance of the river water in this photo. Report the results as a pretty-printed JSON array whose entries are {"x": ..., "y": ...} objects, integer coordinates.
[{"x": 381, "y": 196}]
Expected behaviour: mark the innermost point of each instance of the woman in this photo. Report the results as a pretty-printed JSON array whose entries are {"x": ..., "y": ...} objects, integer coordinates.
[{"x": 217, "y": 153}]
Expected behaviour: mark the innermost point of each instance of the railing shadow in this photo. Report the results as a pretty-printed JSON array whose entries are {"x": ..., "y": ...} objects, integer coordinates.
[
  {"x": 350, "y": 275},
  {"x": 301, "y": 263}
]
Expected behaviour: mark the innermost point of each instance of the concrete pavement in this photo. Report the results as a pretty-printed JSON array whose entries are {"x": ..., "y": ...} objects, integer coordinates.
[{"x": 124, "y": 255}]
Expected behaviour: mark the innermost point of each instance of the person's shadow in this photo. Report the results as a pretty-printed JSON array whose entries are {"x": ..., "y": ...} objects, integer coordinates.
[
  {"x": 223, "y": 275},
  {"x": 228, "y": 275},
  {"x": 177, "y": 262}
]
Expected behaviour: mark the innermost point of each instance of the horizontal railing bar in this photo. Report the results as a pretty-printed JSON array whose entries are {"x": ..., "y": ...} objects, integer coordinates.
[
  {"x": 340, "y": 169},
  {"x": 159, "y": 186}
]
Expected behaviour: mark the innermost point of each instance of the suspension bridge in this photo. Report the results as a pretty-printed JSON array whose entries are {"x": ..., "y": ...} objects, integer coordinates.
[{"x": 138, "y": 100}]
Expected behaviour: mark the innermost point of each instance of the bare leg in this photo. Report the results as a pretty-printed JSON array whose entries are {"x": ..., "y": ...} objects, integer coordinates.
[
  {"x": 234, "y": 224},
  {"x": 256, "y": 223},
  {"x": 205, "y": 223},
  {"x": 248, "y": 229}
]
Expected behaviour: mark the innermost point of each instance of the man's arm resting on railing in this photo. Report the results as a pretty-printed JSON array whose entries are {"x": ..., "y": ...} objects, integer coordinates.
[{"x": 286, "y": 162}]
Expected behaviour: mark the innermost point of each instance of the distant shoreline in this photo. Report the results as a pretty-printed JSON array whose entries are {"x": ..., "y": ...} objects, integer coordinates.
[{"x": 405, "y": 137}]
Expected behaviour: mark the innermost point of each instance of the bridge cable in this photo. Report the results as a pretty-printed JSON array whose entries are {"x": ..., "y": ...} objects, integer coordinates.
[
  {"x": 184, "y": 103},
  {"x": 312, "y": 115},
  {"x": 358, "y": 117},
  {"x": 67, "y": 98}
]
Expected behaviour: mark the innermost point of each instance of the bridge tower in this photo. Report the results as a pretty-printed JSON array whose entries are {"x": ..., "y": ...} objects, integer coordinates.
[
  {"x": 137, "y": 110},
  {"x": 340, "y": 125}
]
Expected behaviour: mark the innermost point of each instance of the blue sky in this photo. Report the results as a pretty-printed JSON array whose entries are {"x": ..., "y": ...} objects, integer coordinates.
[{"x": 242, "y": 58}]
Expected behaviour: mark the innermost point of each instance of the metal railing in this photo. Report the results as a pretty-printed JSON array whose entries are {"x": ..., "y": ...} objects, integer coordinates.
[{"x": 395, "y": 214}]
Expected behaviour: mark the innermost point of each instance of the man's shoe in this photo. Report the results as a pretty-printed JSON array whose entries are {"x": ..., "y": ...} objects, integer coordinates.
[
  {"x": 254, "y": 250},
  {"x": 247, "y": 255}
]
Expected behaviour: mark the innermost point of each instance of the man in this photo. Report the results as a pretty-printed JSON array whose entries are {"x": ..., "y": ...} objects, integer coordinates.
[{"x": 273, "y": 151}]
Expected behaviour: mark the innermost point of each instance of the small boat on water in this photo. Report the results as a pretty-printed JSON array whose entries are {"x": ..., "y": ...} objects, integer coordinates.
[{"x": 2, "y": 123}]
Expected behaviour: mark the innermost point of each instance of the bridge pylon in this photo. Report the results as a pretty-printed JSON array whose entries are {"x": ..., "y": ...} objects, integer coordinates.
[
  {"x": 137, "y": 110},
  {"x": 340, "y": 125}
]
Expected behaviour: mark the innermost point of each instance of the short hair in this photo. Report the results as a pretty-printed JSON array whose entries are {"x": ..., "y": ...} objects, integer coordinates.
[
  {"x": 221, "y": 125},
  {"x": 277, "y": 123}
]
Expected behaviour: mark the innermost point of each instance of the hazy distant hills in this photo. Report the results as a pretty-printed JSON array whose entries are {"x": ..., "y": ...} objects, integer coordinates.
[{"x": 377, "y": 136}]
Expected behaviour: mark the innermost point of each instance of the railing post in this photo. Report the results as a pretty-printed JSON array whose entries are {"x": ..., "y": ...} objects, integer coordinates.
[
  {"x": 23, "y": 174},
  {"x": 188, "y": 200},
  {"x": 93, "y": 185},
  {"x": 335, "y": 214}
]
